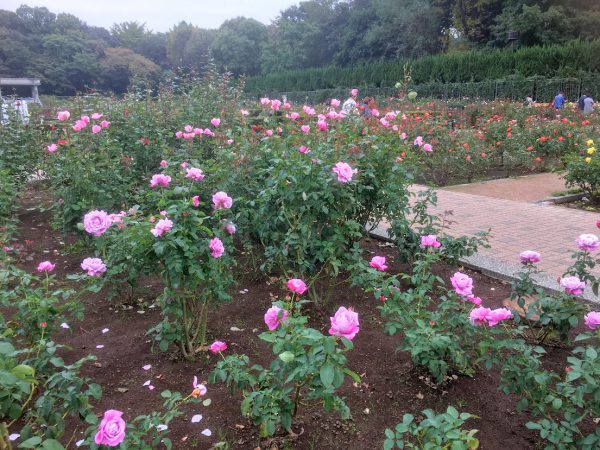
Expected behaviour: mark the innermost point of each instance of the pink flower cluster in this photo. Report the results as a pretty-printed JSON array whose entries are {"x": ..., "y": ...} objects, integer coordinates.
[
  {"x": 530, "y": 257},
  {"x": 296, "y": 285},
  {"x": 94, "y": 266},
  {"x": 572, "y": 285},
  {"x": 217, "y": 248},
  {"x": 275, "y": 316},
  {"x": 378, "y": 262},
  {"x": 489, "y": 317},
  {"x": 430, "y": 240},
  {"x": 96, "y": 222},
  {"x": 222, "y": 201},
  {"x": 45, "y": 266},
  {"x": 194, "y": 174},
  {"x": 592, "y": 320},
  {"x": 161, "y": 227},
  {"x": 217, "y": 346},
  {"x": 588, "y": 242},
  {"x": 160, "y": 180},
  {"x": 111, "y": 431},
  {"x": 344, "y": 172},
  {"x": 344, "y": 323}
]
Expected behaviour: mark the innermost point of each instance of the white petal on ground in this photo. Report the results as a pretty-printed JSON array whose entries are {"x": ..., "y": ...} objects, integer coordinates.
[
  {"x": 79, "y": 443},
  {"x": 197, "y": 418},
  {"x": 100, "y": 346},
  {"x": 147, "y": 367},
  {"x": 161, "y": 427},
  {"x": 65, "y": 325},
  {"x": 105, "y": 330},
  {"x": 14, "y": 437},
  {"x": 207, "y": 432}
]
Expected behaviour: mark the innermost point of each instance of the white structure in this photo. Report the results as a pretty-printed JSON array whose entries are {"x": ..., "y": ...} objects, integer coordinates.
[{"x": 33, "y": 82}]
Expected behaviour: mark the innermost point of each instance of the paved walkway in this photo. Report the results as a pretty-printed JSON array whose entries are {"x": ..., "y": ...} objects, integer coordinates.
[
  {"x": 529, "y": 188},
  {"x": 515, "y": 226}
]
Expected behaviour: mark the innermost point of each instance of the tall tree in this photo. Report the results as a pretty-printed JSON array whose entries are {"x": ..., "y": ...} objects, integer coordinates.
[{"x": 236, "y": 47}]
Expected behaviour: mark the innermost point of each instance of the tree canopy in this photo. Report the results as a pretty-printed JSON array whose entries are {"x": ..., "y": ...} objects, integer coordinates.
[{"x": 71, "y": 56}]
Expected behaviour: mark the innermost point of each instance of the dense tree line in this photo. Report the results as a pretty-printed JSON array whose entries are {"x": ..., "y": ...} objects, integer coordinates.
[{"x": 71, "y": 56}]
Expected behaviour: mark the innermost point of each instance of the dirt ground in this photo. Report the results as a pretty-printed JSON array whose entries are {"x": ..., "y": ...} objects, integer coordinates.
[{"x": 391, "y": 386}]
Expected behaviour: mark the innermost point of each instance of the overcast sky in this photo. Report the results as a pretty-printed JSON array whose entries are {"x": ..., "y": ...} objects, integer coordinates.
[{"x": 159, "y": 15}]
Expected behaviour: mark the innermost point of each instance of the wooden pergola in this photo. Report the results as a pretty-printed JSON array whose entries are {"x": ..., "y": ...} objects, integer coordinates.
[{"x": 33, "y": 82}]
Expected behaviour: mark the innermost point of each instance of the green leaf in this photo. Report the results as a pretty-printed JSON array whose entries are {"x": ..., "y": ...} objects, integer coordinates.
[
  {"x": 352, "y": 374},
  {"x": 32, "y": 442},
  {"x": 23, "y": 371},
  {"x": 52, "y": 444},
  {"x": 326, "y": 374},
  {"x": 287, "y": 357}
]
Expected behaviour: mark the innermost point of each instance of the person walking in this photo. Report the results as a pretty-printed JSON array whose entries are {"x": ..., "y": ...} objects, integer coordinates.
[
  {"x": 559, "y": 101},
  {"x": 588, "y": 105},
  {"x": 580, "y": 102}
]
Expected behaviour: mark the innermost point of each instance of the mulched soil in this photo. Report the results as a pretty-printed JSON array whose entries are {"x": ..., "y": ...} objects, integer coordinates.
[{"x": 391, "y": 385}]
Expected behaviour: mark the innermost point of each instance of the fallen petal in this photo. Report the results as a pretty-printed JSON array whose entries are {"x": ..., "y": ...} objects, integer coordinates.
[
  {"x": 65, "y": 325},
  {"x": 100, "y": 346},
  {"x": 161, "y": 427},
  {"x": 105, "y": 330},
  {"x": 147, "y": 383},
  {"x": 197, "y": 418},
  {"x": 14, "y": 437},
  {"x": 151, "y": 387},
  {"x": 207, "y": 432},
  {"x": 79, "y": 443},
  {"x": 147, "y": 367}
]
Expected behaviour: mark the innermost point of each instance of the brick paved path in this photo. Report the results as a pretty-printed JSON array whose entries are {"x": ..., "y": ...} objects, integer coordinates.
[
  {"x": 518, "y": 226},
  {"x": 524, "y": 189}
]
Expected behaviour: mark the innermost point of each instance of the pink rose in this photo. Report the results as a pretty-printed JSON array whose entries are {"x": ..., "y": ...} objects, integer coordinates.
[
  {"x": 179, "y": 134},
  {"x": 160, "y": 180},
  {"x": 344, "y": 323},
  {"x": 63, "y": 115},
  {"x": 294, "y": 115},
  {"x": 463, "y": 284},
  {"x": 96, "y": 116},
  {"x": 188, "y": 129},
  {"x": 378, "y": 262},
  {"x": 335, "y": 102},
  {"x": 195, "y": 174},
  {"x": 94, "y": 266},
  {"x": 418, "y": 141},
  {"x": 479, "y": 316},
  {"x": 96, "y": 129},
  {"x": 229, "y": 228},
  {"x": 588, "y": 242},
  {"x": 304, "y": 149},
  {"x": 265, "y": 101},
  {"x": 275, "y": 316},
  {"x": 305, "y": 129},
  {"x": 222, "y": 201},
  {"x": 218, "y": 346},
  {"x": 111, "y": 430},
  {"x": 45, "y": 266},
  {"x": 275, "y": 105},
  {"x": 105, "y": 124},
  {"x": 198, "y": 131},
  {"x": 497, "y": 315},
  {"x": 96, "y": 222},
  {"x": 322, "y": 124},
  {"x": 475, "y": 300},
  {"x": 161, "y": 227},
  {"x": 163, "y": 163},
  {"x": 530, "y": 257},
  {"x": 215, "y": 122},
  {"x": 427, "y": 148},
  {"x": 216, "y": 247},
  {"x": 592, "y": 320},
  {"x": 196, "y": 201},
  {"x": 85, "y": 119},
  {"x": 269, "y": 132},
  {"x": 572, "y": 285},
  {"x": 52, "y": 148},
  {"x": 296, "y": 285},
  {"x": 430, "y": 240},
  {"x": 344, "y": 172}
]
